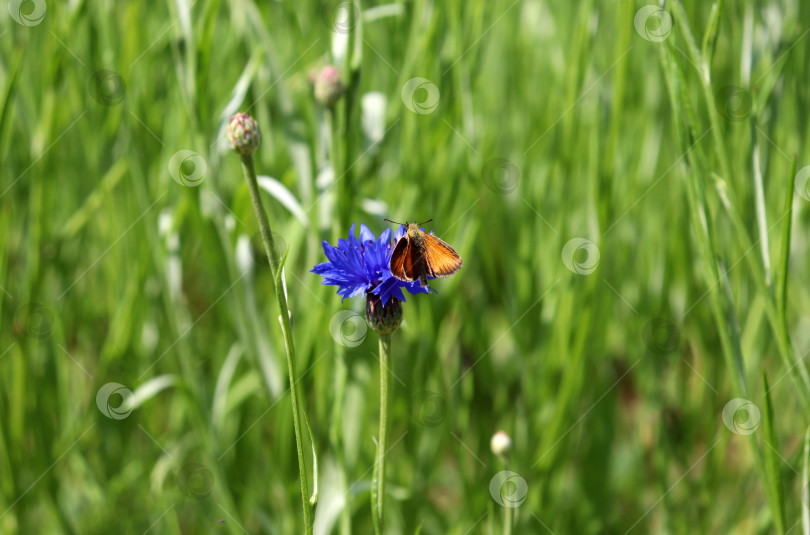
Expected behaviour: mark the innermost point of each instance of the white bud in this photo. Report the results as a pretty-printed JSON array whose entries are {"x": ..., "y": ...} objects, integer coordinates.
[{"x": 500, "y": 443}]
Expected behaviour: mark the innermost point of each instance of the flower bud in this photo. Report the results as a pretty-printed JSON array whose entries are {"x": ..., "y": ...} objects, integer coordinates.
[
  {"x": 328, "y": 86},
  {"x": 500, "y": 443},
  {"x": 383, "y": 319},
  {"x": 243, "y": 134}
]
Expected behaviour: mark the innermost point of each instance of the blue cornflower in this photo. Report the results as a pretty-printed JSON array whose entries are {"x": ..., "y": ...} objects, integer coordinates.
[{"x": 359, "y": 266}]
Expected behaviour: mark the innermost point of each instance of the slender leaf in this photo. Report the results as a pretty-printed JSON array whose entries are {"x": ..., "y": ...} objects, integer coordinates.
[{"x": 773, "y": 463}]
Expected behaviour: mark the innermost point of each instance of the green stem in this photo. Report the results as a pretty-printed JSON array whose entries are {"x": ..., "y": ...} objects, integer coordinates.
[
  {"x": 385, "y": 379},
  {"x": 507, "y": 523},
  {"x": 508, "y": 512},
  {"x": 272, "y": 256}
]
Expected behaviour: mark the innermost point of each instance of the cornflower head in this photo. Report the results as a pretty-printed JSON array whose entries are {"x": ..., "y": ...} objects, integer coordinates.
[{"x": 358, "y": 266}]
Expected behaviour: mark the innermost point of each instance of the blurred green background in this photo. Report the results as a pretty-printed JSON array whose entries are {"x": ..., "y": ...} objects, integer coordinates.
[{"x": 660, "y": 142}]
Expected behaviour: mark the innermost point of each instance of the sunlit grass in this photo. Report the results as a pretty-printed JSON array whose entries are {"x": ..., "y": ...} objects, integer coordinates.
[{"x": 550, "y": 122}]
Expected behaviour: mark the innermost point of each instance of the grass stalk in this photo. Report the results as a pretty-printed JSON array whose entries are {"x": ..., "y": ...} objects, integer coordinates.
[{"x": 249, "y": 169}]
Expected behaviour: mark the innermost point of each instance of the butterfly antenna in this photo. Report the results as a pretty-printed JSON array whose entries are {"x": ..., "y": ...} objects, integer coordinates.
[
  {"x": 426, "y": 222},
  {"x": 394, "y": 222}
]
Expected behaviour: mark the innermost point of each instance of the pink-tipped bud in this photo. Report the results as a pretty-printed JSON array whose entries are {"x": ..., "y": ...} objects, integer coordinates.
[
  {"x": 328, "y": 86},
  {"x": 243, "y": 134}
]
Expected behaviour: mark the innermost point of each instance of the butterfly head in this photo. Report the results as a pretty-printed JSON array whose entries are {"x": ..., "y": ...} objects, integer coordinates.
[{"x": 414, "y": 232}]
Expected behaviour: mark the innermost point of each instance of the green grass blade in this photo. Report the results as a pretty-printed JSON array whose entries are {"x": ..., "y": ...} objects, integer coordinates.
[
  {"x": 805, "y": 495},
  {"x": 773, "y": 460},
  {"x": 784, "y": 252}
]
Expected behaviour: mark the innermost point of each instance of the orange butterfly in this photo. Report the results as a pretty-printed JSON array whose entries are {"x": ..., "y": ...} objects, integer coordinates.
[{"x": 418, "y": 255}]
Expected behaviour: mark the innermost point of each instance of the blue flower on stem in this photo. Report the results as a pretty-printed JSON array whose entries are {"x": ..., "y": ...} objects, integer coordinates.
[{"x": 359, "y": 266}]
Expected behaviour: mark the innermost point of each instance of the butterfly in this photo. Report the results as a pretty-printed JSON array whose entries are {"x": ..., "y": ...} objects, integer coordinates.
[{"x": 418, "y": 255}]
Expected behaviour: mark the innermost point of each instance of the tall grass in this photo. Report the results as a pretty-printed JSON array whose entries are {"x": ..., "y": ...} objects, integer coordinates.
[{"x": 555, "y": 121}]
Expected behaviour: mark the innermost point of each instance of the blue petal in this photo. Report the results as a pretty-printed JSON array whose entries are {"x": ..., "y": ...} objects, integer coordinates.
[
  {"x": 365, "y": 234},
  {"x": 385, "y": 239},
  {"x": 416, "y": 288}
]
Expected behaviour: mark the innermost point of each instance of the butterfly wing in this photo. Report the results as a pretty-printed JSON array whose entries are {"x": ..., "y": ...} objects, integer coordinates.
[
  {"x": 442, "y": 260},
  {"x": 398, "y": 257},
  {"x": 408, "y": 262}
]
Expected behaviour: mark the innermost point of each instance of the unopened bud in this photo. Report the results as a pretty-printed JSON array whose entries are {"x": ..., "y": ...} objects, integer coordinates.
[
  {"x": 328, "y": 86},
  {"x": 243, "y": 134},
  {"x": 500, "y": 443}
]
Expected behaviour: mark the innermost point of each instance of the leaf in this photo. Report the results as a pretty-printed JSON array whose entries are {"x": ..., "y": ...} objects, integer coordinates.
[
  {"x": 805, "y": 483},
  {"x": 371, "y": 14},
  {"x": 373, "y": 106},
  {"x": 283, "y": 195},
  {"x": 357, "y": 52},
  {"x": 314, "y": 498},
  {"x": 332, "y": 498},
  {"x": 784, "y": 253},
  {"x": 149, "y": 390},
  {"x": 773, "y": 464},
  {"x": 94, "y": 200},
  {"x": 224, "y": 380},
  {"x": 710, "y": 36}
]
